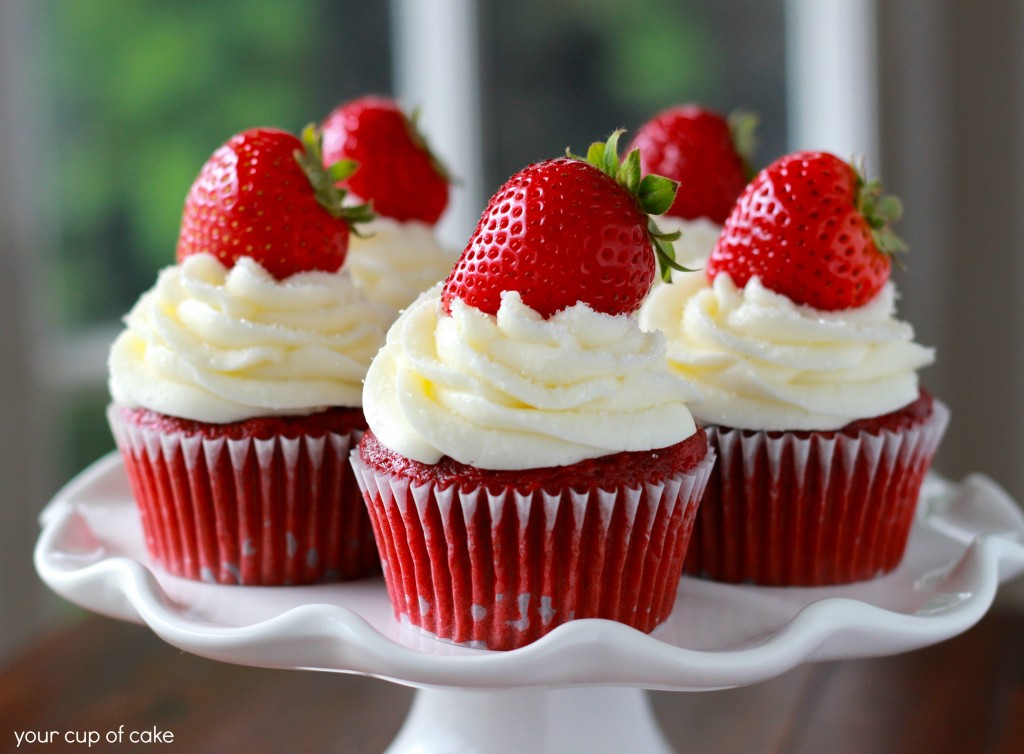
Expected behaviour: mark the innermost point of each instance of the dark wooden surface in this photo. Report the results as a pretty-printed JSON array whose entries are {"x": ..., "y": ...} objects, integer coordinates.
[{"x": 963, "y": 696}]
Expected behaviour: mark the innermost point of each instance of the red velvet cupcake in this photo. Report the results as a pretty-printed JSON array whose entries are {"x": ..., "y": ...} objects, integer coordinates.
[
  {"x": 497, "y": 559},
  {"x": 530, "y": 460},
  {"x": 815, "y": 508},
  {"x": 236, "y": 384},
  {"x": 810, "y": 387},
  {"x": 258, "y": 501}
]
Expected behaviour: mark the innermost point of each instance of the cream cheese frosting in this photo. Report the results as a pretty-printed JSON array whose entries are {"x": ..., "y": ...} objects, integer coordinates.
[
  {"x": 515, "y": 391},
  {"x": 218, "y": 345},
  {"x": 697, "y": 238},
  {"x": 763, "y": 362},
  {"x": 396, "y": 261}
]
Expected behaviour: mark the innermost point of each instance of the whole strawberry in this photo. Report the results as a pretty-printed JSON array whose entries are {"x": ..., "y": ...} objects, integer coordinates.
[
  {"x": 811, "y": 229},
  {"x": 707, "y": 154},
  {"x": 568, "y": 230},
  {"x": 398, "y": 174},
  {"x": 266, "y": 195}
]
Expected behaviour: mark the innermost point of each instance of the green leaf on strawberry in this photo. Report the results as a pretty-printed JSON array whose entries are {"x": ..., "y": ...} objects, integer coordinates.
[
  {"x": 811, "y": 228},
  {"x": 565, "y": 231},
  {"x": 399, "y": 174},
  {"x": 266, "y": 195},
  {"x": 706, "y": 153},
  {"x": 654, "y": 194}
]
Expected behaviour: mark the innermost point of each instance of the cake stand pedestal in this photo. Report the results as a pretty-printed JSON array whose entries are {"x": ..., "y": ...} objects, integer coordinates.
[
  {"x": 599, "y": 720},
  {"x": 579, "y": 688}
]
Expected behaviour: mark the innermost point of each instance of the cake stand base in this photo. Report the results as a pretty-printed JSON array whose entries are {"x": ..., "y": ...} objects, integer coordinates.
[
  {"x": 598, "y": 720},
  {"x": 578, "y": 688}
]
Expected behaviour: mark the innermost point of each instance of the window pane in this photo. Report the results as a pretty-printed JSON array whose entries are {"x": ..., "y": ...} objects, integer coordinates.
[{"x": 560, "y": 73}]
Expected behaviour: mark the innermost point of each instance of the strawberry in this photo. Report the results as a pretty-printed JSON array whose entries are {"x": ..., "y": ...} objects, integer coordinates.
[
  {"x": 568, "y": 230},
  {"x": 812, "y": 229},
  {"x": 702, "y": 150},
  {"x": 398, "y": 173},
  {"x": 266, "y": 195}
]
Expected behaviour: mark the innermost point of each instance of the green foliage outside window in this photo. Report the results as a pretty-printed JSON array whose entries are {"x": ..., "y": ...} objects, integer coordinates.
[{"x": 144, "y": 91}]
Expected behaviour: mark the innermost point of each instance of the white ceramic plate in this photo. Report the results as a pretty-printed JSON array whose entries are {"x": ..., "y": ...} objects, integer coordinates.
[{"x": 968, "y": 538}]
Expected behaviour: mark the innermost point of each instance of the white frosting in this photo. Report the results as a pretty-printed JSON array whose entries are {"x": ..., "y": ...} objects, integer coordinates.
[
  {"x": 698, "y": 238},
  {"x": 397, "y": 261},
  {"x": 763, "y": 362},
  {"x": 218, "y": 345},
  {"x": 516, "y": 391}
]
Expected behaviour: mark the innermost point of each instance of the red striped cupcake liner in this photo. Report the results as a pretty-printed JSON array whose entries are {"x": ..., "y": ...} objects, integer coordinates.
[
  {"x": 276, "y": 511},
  {"x": 499, "y": 568},
  {"x": 814, "y": 510}
]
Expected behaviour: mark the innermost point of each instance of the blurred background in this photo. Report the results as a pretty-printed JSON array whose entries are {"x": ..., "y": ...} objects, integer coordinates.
[{"x": 109, "y": 107}]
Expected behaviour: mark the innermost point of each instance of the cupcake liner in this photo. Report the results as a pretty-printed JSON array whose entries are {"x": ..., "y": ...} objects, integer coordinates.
[
  {"x": 824, "y": 509},
  {"x": 283, "y": 510},
  {"x": 499, "y": 568}
]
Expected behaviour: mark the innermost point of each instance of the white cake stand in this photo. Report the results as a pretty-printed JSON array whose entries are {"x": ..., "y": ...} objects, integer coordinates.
[{"x": 580, "y": 688}]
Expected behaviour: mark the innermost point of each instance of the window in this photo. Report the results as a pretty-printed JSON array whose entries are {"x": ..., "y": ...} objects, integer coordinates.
[{"x": 110, "y": 107}]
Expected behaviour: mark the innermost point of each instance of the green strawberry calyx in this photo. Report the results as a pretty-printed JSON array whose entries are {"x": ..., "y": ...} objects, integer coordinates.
[
  {"x": 880, "y": 210},
  {"x": 653, "y": 193},
  {"x": 324, "y": 181}
]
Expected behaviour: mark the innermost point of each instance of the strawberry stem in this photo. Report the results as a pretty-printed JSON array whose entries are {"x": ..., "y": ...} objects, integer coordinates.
[
  {"x": 324, "y": 181},
  {"x": 880, "y": 210},
  {"x": 653, "y": 193}
]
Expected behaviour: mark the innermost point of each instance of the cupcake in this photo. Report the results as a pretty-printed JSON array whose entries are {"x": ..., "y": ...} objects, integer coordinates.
[
  {"x": 530, "y": 460},
  {"x": 708, "y": 155},
  {"x": 397, "y": 255},
  {"x": 809, "y": 382},
  {"x": 237, "y": 383}
]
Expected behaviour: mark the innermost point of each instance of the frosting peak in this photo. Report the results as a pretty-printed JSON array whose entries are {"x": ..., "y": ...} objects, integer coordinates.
[
  {"x": 396, "y": 261},
  {"x": 515, "y": 390},
  {"x": 219, "y": 345},
  {"x": 763, "y": 362}
]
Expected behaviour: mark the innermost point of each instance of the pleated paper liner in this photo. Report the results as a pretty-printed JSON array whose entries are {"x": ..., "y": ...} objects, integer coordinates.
[
  {"x": 499, "y": 568},
  {"x": 819, "y": 510},
  {"x": 276, "y": 511}
]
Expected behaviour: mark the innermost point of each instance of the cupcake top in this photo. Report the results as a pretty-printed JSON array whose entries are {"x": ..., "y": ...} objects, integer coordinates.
[
  {"x": 398, "y": 255},
  {"x": 696, "y": 240},
  {"x": 516, "y": 390},
  {"x": 762, "y": 361},
  {"x": 393, "y": 262},
  {"x": 529, "y": 355},
  {"x": 793, "y": 326},
  {"x": 218, "y": 344},
  {"x": 256, "y": 318}
]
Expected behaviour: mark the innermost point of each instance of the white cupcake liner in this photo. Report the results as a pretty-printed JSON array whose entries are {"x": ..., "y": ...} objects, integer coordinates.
[
  {"x": 500, "y": 568},
  {"x": 785, "y": 510},
  {"x": 248, "y": 511}
]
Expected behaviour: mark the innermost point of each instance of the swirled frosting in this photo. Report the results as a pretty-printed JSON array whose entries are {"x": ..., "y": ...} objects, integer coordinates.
[
  {"x": 220, "y": 345},
  {"x": 397, "y": 261},
  {"x": 517, "y": 391},
  {"x": 763, "y": 362},
  {"x": 698, "y": 237}
]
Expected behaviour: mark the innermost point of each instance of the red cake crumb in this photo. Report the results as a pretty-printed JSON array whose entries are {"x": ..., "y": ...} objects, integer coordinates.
[
  {"x": 339, "y": 420},
  {"x": 626, "y": 469}
]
